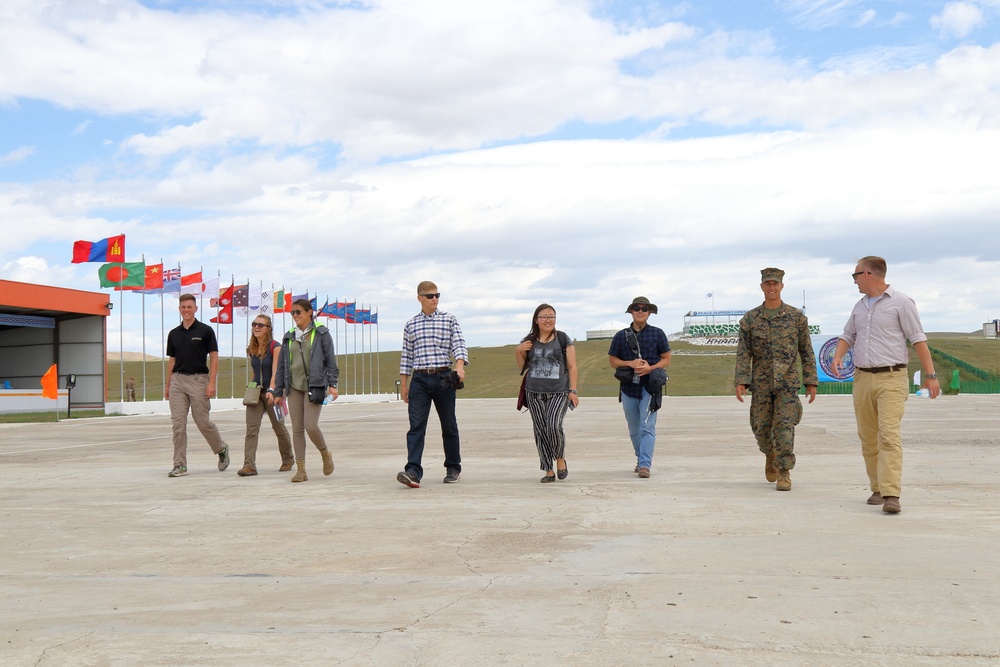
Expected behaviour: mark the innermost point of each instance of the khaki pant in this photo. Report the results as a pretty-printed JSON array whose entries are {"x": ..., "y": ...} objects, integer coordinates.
[
  {"x": 305, "y": 419},
  {"x": 254, "y": 415},
  {"x": 879, "y": 400},
  {"x": 188, "y": 392}
]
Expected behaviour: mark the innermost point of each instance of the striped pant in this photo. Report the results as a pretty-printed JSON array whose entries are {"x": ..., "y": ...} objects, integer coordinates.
[{"x": 547, "y": 413}]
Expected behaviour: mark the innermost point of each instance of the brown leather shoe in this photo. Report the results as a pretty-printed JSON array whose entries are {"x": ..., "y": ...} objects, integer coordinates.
[
  {"x": 784, "y": 481},
  {"x": 875, "y": 499},
  {"x": 644, "y": 473},
  {"x": 285, "y": 467},
  {"x": 770, "y": 470},
  {"x": 246, "y": 471},
  {"x": 891, "y": 505}
]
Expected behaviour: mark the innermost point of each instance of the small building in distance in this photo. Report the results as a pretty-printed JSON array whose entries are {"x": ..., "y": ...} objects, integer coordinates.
[{"x": 605, "y": 330}]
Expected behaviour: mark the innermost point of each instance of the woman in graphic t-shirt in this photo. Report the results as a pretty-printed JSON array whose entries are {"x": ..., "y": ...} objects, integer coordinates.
[{"x": 550, "y": 388}]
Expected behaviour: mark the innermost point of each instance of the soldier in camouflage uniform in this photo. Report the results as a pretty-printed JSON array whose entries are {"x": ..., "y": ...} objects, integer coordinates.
[{"x": 772, "y": 335}]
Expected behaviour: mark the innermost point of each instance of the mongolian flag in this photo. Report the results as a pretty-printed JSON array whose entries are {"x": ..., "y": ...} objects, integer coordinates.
[{"x": 111, "y": 249}]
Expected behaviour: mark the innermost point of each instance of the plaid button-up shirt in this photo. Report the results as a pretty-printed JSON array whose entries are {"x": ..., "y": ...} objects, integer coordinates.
[{"x": 431, "y": 341}]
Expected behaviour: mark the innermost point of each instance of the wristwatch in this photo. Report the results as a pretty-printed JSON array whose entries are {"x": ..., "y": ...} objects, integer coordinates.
[
  {"x": 931, "y": 376},
  {"x": 572, "y": 391}
]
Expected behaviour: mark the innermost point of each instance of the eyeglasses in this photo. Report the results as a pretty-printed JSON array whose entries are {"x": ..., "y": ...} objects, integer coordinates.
[
  {"x": 854, "y": 276},
  {"x": 547, "y": 318},
  {"x": 260, "y": 325},
  {"x": 640, "y": 309},
  {"x": 297, "y": 312},
  {"x": 436, "y": 295}
]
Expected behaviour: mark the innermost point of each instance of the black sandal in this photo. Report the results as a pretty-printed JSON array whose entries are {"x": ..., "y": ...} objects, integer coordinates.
[
  {"x": 565, "y": 471},
  {"x": 547, "y": 479}
]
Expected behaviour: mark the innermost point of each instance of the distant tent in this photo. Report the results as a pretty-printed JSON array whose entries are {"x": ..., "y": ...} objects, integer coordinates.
[{"x": 606, "y": 330}]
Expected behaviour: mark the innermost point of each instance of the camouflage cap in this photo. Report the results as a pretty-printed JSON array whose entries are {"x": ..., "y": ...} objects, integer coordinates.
[{"x": 771, "y": 274}]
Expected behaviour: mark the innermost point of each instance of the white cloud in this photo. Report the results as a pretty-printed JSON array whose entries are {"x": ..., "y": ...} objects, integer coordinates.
[
  {"x": 817, "y": 14},
  {"x": 17, "y": 155},
  {"x": 882, "y": 150},
  {"x": 958, "y": 19}
]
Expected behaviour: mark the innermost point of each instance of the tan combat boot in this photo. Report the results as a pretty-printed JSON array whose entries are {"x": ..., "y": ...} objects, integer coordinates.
[
  {"x": 770, "y": 470},
  {"x": 784, "y": 481},
  {"x": 327, "y": 461},
  {"x": 301, "y": 475}
]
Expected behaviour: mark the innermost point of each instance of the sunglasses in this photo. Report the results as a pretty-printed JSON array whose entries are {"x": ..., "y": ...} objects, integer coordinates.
[
  {"x": 640, "y": 309},
  {"x": 297, "y": 312},
  {"x": 436, "y": 295},
  {"x": 258, "y": 325},
  {"x": 858, "y": 273}
]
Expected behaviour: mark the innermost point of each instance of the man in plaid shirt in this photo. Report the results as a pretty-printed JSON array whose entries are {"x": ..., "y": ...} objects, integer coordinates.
[{"x": 432, "y": 341}]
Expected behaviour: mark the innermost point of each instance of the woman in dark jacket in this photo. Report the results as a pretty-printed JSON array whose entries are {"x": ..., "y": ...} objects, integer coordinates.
[
  {"x": 263, "y": 352},
  {"x": 307, "y": 372},
  {"x": 549, "y": 359}
]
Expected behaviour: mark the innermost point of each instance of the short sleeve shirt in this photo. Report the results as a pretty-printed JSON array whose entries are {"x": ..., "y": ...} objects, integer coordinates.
[
  {"x": 547, "y": 373},
  {"x": 190, "y": 347},
  {"x": 652, "y": 345}
]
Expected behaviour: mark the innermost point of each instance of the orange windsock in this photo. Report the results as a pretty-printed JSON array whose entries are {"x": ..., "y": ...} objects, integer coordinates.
[{"x": 50, "y": 383}]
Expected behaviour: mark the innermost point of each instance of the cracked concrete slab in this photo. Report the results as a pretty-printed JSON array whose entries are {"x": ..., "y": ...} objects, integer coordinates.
[{"x": 104, "y": 560}]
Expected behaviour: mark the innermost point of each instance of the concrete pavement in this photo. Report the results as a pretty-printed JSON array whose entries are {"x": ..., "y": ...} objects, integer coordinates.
[{"x": 104, "y": 560}]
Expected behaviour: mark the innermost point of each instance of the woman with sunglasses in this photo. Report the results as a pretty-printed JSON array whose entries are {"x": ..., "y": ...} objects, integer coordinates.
[
  {"x": 548, "y": 357},
  {"x": 307, "y": 372},
  {"x": 263, "y": 352}
]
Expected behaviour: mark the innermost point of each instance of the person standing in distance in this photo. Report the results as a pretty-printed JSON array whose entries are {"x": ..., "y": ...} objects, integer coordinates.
[
  {"x": 772, "y": 335},
  {"x": 879, "y": 326},
  {"x": 432, "y": 344},
  {"x": 190, "y": 384},
  {"x": 643, "y": 348}
]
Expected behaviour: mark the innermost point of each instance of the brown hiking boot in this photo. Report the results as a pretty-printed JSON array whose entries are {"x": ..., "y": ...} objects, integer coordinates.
[
  {"x": 891, "y": 505},
  {"x": 770, "y": 470},
  {"x": 644, "y": 473},
  {"x": 875, "y": 499},
  {"x": 327, "y": 461},
  {"x": 286, "y": 466},
  {"x": 784, "y": 481}
]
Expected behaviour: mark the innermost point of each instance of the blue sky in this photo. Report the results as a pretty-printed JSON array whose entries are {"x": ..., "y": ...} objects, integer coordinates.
[{"x": 577, "y": 153}]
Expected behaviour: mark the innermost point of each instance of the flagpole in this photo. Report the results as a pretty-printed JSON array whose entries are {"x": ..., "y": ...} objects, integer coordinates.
[
  {"x": 378, "y": 354},
  {"x": 163, "y": 347},
  {"x": 232, "y": 339},
  {"x": 121, "y": 334}
]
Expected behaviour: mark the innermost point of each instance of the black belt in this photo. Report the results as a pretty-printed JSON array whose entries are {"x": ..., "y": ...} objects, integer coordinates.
[
  {"x": 431, "y": 371},
  {"x": 185, "y": 373},
  {"x": 883, "y": 369}
]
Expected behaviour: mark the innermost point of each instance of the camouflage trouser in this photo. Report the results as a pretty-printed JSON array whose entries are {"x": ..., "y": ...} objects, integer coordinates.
[{"x": 773, "y": 417}]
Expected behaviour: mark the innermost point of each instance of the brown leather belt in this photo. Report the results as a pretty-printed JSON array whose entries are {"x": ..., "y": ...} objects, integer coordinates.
[
  {"x": 431, "y": 371},
  {"x": 883, "y": 369}
]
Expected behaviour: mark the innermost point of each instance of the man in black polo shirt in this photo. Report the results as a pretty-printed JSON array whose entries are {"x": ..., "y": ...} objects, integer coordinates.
[{"x": 190, "y": 383}]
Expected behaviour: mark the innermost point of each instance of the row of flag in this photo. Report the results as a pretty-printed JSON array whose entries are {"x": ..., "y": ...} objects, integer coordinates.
[{"x": 145, "y": 278}]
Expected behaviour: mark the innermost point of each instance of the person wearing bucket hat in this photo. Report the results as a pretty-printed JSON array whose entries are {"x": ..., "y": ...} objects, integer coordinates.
[
  {"x": 773, "y": 336},
  {"x": 644, "y": 350}
]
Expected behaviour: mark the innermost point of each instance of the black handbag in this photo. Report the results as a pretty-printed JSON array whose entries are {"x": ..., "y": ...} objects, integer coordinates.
[
  {"x": 624, "y": 374},
  {"x": 317, "y": 394}
]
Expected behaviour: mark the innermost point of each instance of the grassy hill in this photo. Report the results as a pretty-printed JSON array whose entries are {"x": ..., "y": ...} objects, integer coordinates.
[{"x": 694, "y": 371}]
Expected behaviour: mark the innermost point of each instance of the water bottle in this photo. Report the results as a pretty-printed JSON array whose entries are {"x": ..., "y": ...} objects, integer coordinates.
[{"x": 923, "y": 393}]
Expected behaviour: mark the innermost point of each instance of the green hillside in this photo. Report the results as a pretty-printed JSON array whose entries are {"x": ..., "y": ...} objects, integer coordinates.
[{"x": 694, "y": 371}]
